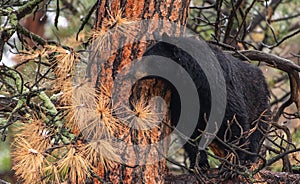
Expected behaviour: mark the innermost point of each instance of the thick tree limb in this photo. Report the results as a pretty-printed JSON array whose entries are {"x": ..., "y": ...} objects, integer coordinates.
[
  {"x": 30, "y": 35},
  {"x": 273, "y": 60},
  {"x": 27, "y": 8}
]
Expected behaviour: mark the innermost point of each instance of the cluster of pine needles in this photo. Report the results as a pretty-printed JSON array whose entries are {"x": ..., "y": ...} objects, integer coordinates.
[{"x": 68, "y": 137}]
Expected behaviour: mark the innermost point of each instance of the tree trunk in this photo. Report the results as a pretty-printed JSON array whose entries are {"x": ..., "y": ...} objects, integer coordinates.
[{"x": 119, "y": 44}]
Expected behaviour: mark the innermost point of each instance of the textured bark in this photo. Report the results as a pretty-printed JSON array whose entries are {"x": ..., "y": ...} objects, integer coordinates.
[{"x": 135, "y": 10}]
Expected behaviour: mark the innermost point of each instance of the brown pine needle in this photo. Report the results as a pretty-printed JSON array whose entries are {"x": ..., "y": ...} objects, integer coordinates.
[
  {"x": 28, "y": 161},
  {"x": 91, "y": 111},
  {"x": 143, "y": 116},
  {"x": 101, "y": 153},
  {"x": 74, "y": 166},
  {"x": 35, "y": 132},
  {"x": 113, "y": 24},
  {"x": 51, "y": 174}
]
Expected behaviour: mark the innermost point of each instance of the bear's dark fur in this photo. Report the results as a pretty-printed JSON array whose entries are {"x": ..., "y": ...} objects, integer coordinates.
[{"x": 247, "y": 101}]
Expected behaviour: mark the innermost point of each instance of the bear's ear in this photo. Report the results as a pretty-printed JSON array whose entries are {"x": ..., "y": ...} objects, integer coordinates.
[
  {"x": 157, "y": 36},
  {"x": 161, "y": 37},
  {"x": 165, "y": 37},
  {"x": 170, "y": 39}
]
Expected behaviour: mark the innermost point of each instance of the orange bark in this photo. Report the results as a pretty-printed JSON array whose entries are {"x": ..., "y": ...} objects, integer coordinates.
[{"x": 170, "y": 11}]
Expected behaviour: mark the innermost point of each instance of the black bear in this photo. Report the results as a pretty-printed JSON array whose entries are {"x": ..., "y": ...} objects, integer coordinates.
[{"x": 247, "y": 108}]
